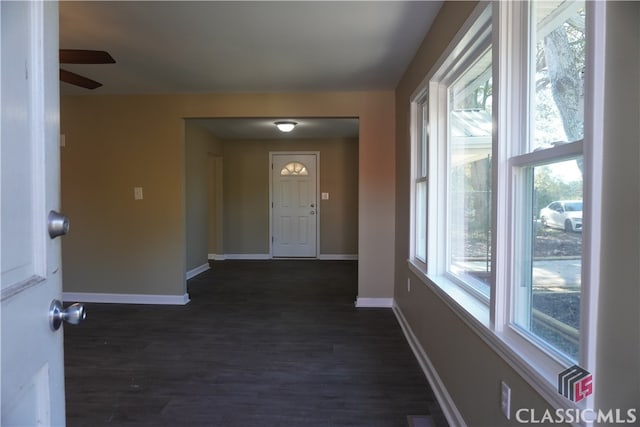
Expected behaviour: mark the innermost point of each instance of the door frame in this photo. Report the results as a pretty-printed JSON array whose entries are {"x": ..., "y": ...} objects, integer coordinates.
[{"x": 270, "y": 168}]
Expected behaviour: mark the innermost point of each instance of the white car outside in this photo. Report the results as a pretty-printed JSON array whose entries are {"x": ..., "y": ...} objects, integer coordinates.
[{"x": 563, "y": 214}]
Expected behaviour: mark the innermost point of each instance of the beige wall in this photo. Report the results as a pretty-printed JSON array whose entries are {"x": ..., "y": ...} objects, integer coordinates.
[
  {"x": 215, "y": 181},
  {"x": 117, "y": 142},
  {"x": 470, "y": 369},
  {"x": 246, "y": 194},
  {"x": 199, "y": 146},
  {"x": 116, "y": 244}
]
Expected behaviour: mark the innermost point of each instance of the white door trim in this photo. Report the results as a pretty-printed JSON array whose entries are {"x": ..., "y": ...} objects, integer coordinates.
[{"x": 270, "y": 167}]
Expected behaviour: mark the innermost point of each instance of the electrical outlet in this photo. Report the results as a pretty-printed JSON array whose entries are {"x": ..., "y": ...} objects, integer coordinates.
[
  {"x": 408, "y": 284},
  {"x": 505, "y": 399}
]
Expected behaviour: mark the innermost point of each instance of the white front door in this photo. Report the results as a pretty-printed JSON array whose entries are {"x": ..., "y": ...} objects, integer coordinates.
[
  {"x": 32, "y": 372},
  {"x": 294, "y": 205}
]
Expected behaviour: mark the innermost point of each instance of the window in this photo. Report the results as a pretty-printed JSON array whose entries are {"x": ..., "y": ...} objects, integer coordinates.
[
  {"x": 549, "y": 251},
  {"x": 420, "y": 214},
  {"x": 504, "y": 131},
  {"x": 548, "y": 182},
  {"x": 452, "y": 166},
  {"x": 294, "y": 169},
  {"x": 469, "y": 146}
]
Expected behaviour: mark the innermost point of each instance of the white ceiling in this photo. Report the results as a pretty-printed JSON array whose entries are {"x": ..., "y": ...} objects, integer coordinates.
[{"x": 244, "y": 46}]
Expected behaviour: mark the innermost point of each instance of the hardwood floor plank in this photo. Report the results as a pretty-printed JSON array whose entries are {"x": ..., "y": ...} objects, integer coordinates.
[{"x": 262, "y": 343}]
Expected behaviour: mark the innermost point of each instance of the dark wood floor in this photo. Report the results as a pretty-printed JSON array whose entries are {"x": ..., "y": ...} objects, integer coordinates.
[{"x": 262, "y": 343}]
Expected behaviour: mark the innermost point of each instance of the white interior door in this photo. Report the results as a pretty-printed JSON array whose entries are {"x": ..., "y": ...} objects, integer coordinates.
[
  {"x": 32, "y": 353},
  {"x": 295, "y": 206}
]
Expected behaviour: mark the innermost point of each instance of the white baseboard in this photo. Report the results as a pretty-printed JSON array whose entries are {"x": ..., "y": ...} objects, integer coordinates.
[
  {"x": 244, "y": 256},
  {"x": 195, "y": 271},
  {"x": 125, "y": 298},
  {"x": 323, "y": 257},
  {"x": 442, "y": 395},
  {"x": 338, "y": 257},
  {"x": 374, "y": 302}
]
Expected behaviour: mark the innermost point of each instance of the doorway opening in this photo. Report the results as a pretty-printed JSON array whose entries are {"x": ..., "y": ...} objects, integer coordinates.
[{"x": 239, "y": 222}]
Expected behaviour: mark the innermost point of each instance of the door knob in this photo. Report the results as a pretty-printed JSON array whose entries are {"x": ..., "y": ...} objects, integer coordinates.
[
  {"x": 73, "y": 314},
  {"x": 58, "y": 224},
  {"x": 312, "y": 212}
]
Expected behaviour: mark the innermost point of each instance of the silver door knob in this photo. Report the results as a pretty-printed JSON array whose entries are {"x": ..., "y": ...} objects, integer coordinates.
[
  {"x": 58, "y": 224},
  {"x": 73, "y": 314},
  {"x": 312, "y": 212}
]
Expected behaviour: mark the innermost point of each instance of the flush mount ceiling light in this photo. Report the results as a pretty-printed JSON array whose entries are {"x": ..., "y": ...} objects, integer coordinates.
[{"x": 285, "y": 126}]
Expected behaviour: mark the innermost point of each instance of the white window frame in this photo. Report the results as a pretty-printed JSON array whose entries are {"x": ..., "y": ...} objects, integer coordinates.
[
  {"x": 491, "y": 322},
  {"x": 541, "y": 364},
  {"x": 473, "y": 40},
  {"x": 419, "y": 174}
]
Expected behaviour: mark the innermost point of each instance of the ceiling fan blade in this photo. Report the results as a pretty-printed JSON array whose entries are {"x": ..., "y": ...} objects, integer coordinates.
[
  {"x": 81, "y": 56},
  {"x": 78, "y": 80}
]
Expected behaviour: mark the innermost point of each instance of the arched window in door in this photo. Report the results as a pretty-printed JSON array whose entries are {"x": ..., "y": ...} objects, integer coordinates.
[{"x": 294, "y": 169}]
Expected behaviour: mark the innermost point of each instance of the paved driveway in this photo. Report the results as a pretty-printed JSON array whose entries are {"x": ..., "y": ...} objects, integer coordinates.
[{"x": 559, "y": 275}]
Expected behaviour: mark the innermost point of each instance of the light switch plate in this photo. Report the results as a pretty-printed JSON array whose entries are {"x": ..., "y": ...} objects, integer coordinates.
[
  {"x": 325, "y": 196},
  {"x": 137, "y": 193}
]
